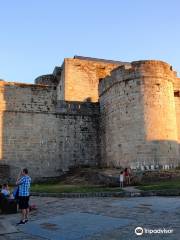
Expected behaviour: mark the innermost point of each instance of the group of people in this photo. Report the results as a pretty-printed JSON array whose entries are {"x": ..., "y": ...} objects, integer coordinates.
[
  {"x": 125, "y": 177},
  {"x": 21, "y": 193},
  {"x": 23, "y": 187}
]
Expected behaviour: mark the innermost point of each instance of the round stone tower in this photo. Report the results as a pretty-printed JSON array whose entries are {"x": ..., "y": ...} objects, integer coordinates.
[{"x": 138, "y": 117}]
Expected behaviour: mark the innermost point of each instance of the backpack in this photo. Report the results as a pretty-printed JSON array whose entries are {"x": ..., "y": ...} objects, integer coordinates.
[{"x": 16, "y": 192}]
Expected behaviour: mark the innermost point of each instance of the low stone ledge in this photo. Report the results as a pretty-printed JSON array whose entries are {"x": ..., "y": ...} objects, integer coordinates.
[
  {"x": 80, "y": 195},
  {"x": 172, "y": 192},
  {"x": 164, "y": 193}
]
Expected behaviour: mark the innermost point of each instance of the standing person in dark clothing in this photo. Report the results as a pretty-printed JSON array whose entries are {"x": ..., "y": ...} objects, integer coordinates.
[{"x": 24, "y": 182}]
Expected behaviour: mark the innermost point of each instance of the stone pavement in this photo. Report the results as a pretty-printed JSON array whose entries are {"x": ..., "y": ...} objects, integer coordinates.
[
  {"x": 6, "y": 227},
  {"x": 96, "y": 219},
  {"x": 131, "y": 189}
]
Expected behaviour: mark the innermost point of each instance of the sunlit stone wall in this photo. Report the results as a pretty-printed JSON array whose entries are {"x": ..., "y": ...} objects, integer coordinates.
[
  {"x": 46, "y": 136},
  {"x": 138, "y": 117},
  {"x": 177, "y": 103},
  {"x": 80, "y": 79}
]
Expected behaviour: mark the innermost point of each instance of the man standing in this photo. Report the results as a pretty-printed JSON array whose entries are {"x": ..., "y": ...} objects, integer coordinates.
[{"x": 24, "y": 182}]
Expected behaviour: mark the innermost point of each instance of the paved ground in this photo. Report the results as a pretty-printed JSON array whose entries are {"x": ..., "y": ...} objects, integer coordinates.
[
  {"x": 131, "y": 189},
  {"x": 96, "y": 219}
]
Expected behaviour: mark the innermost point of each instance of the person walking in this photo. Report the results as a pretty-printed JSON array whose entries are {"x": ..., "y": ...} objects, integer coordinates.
[{"x": 23, "y": 182}]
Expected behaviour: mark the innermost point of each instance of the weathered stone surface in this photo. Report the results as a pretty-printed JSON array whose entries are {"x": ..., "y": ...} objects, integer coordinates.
[
  {"x": 177, "y": 105},
  {"x": 49, "y": 79},
  {"x": 43, "y": 134},
  {"x": 139, "y": 115},
  {"x": 4, "y": 173},
  {"x": 80, "y": 78}
]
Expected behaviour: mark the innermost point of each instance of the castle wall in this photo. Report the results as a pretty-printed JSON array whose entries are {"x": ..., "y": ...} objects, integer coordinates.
[
  {"x": 81, "y": 78},
  {"x": 121, "y": 122},
  {"x": 27, "y": 97},
  {"x": 177, "y": 104},
  {"x": 138, "y": 124},
  {"x": 48, "y": 79},
  {"x": 45, "y": 136},
  {"x": 138, "y": 120},
  {"x": 61, "y": 84}
]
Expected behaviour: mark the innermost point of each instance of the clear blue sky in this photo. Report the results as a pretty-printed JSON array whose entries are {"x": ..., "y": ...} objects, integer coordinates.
[{"x": 36, "y": 35}]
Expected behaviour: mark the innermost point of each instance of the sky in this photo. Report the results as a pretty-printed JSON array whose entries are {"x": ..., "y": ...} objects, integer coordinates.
[{"x": 36, "y": 35}]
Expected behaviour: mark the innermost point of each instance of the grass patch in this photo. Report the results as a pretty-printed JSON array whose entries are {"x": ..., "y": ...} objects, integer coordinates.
[
  {"x": 171, "y": 184},
  {"x": 62, "y": 188}
]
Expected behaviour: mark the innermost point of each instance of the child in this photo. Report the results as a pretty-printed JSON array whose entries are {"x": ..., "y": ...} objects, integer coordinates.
[
  {"x": 121, "y": 178},
  {"x": 127, "y": 176},
  {"x": 5, "y": 190}
]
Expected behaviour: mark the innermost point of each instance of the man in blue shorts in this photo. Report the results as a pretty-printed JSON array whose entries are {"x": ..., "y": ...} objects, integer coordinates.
[{"x": 24, "y": 182}]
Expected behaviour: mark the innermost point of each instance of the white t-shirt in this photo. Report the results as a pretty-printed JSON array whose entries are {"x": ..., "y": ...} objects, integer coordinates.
[
  {"x": 121, "y": 177},
  {"x": 5, "y": 192}
]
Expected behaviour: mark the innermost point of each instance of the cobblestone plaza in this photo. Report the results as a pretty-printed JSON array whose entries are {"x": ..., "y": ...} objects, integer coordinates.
[{"x": 95, "y": 218}]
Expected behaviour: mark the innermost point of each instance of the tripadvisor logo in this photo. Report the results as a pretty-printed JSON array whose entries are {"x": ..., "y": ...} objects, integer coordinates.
[{"x": 138, "y": 231}]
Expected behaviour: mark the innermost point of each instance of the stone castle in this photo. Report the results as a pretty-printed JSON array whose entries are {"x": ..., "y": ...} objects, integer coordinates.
[{"x": 91, "y": 112}]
